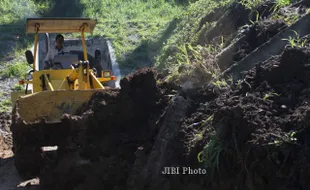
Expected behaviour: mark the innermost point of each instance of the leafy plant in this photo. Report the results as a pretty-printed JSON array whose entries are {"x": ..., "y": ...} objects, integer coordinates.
[
  {"x": 210, "y": 155},
  {"x": 209, "y": 119},
  {"x": 269, "y": 95},
  {"x": 256, "y": 18},
  {"x": 286, "y": 138},
  {"x": 239, "y": 82},
  {"x": 182, "y": 56},
  {"x": 296, "y": 41},
  {"x": 220, "y": 83},
  {"x": 251, "y": 4},
  {"x": 281, "y": 3}
]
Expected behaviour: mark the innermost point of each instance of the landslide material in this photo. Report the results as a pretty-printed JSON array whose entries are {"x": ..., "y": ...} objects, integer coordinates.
[
  {"x": 120, "y": 152},
  {"x": 255, "y": 125},
  {"x": 113, "y": 126},
  {"x": 51, "y": 105}
]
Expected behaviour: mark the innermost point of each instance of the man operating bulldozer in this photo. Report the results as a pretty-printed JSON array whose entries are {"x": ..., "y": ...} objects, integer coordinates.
[{"x": 59, "y": 49}]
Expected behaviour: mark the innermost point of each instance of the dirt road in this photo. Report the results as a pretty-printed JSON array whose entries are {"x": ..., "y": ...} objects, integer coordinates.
[{"x": 9, "y": 178}]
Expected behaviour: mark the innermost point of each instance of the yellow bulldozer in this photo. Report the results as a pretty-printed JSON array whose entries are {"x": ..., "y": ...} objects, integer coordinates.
[{"x": 54, "y": 92}]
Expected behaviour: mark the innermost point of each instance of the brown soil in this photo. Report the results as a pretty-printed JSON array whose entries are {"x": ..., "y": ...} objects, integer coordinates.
[
  {"x": 101, "y": 149},
  {"x": 125, "y": 138},
  {"x": 5, "y": 135},
  {"x": 258, "y": 132},
  {"x": 10, "y": 180},
  {"x": 256, "y": 35}
]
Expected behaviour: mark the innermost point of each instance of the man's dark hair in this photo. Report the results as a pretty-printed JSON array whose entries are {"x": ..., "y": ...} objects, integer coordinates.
[{"x": 60, "y": 36}]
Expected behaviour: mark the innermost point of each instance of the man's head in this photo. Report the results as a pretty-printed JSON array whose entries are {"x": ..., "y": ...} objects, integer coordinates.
[{"x": 59, "y": 40}]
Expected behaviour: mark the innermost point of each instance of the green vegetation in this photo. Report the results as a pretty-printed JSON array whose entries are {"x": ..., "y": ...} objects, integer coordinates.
[
  {"x": 271, "y": 94},
  {"x": 210, "y": 155},
  {"x": 14, "y": 11},
  {"x": 13, "y": 39},
  {"x": 131, "y": 24},
  {"x": 253, "y": 4},
  {"x": 18, "y": 69},
  {"x": 5, "y": 105},
  {"x": 289, "y": 138},
  {"x": 168, "y": 34},
  {"x": 187, "y": 44},
  {"x": 296, "y": 41}
]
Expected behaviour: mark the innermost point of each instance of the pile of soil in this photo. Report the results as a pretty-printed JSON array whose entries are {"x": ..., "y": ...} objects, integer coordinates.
[
  {"x": 261, "y": 127},
  {"x": 100, "y": 151},
  {"x": 256, "y": 134}
]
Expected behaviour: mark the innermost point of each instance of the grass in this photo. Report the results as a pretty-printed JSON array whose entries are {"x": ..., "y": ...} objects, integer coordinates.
[
  {"x": 297, "y": 41},
  {"x": 271, "y": 94},
  {"x": 17, "y": 66},
  {"x": 210, "y": 155},
  {"x": 5, "y": 105},
  {"x": 254, "y": 4},
  {"x": 251, "y": 4},
  {"x": 130, "y": 24},
  {"x": 14, "y": 41},
  {"x": 187, "y": 33},
  {"x": 18, "y": 69}
]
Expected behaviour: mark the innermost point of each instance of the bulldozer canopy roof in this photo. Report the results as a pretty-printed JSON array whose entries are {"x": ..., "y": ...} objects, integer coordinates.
[{"x": 60, "y": 25}]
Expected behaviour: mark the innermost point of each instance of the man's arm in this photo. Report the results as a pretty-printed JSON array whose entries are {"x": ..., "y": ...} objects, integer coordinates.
[
  {"x": 48, "y": 56},
  {"x": 48, "y": 59}
]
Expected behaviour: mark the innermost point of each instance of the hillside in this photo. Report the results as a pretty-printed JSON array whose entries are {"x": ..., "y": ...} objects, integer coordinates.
[{"x": 224, "y": 97}]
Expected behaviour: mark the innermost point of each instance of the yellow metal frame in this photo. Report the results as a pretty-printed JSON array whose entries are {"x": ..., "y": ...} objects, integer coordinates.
[
  {"x": 35, "y": 47},
  {"x": 59, "y": 25},
  {"x": 64, "y": 80},
  {"x": 56, "y": 92},
  {"x": 81, "y": 29}
]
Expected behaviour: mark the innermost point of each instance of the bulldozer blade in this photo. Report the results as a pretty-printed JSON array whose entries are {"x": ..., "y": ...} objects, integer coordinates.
[{"x": 51, "y": 105}]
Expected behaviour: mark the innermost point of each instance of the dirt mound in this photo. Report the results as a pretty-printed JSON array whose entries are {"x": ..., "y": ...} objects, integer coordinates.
[
  {"x": 115, "y": 124},
  {"x": 261, "y": 127},
  {"x": 253, "y": 135}
]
